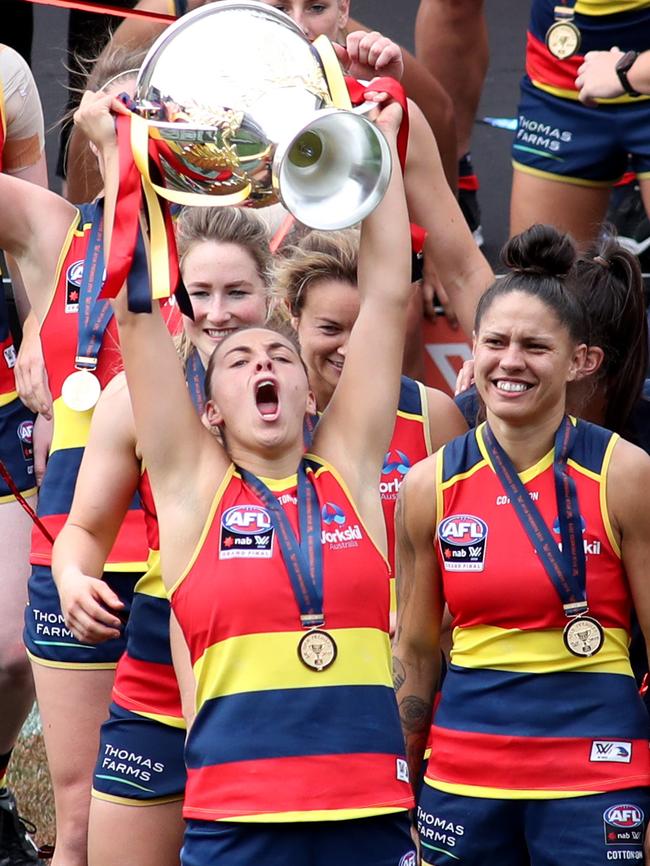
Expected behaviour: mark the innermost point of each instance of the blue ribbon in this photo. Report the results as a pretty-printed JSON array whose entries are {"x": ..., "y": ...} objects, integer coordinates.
[
  {"x": 566, "y": 568},
  {"x": 94, "y": 315},
  {"x": 195, "y": 378},
  {"x": 303, "y": 557}
]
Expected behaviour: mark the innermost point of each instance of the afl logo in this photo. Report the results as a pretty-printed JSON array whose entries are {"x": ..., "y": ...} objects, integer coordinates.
[
  {"x": 625, "y": 816},
  {"x": 73, "y": 279},
  {"x": 463, "y": 539},
  {"x": 244, "y": 519},
  {"x": 24, "y": 431}
]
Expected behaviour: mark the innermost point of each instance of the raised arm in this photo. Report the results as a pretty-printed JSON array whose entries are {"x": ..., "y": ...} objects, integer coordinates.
[
  {"x": 356, "y": 427},
  {"x": 183, "y": 460},
  {"x": 416, "y": 650}
]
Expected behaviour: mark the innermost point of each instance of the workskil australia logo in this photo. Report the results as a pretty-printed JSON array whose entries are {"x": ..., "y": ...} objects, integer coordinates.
[
  {"x": 337, "y": 532},
  {"x": 396, "y": 463},
  {"x": 463, "y": 542},
  {"x": 246, "y": 533},
  {"x": 591, "y": 547}
]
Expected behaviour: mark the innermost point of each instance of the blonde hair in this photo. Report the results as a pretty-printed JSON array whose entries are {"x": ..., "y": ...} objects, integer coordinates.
[
  {"x": 226, "y": 225},
  {"x": 318, "y": 256}
]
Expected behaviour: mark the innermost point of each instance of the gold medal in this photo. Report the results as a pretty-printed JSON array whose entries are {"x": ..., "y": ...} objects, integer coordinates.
[
  {"x": 317, "y": 649},
  {"x": 583, "y": 636},
  {"x": 563, "y": 37},
  {"x": 81, "y": 390}
]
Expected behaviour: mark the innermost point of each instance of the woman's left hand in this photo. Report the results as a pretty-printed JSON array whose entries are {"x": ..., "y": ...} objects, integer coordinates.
[
  {"x": 95, "y": 118},
  {"x": 368, "y": 55},
  {"x": 597, "y": 76}
]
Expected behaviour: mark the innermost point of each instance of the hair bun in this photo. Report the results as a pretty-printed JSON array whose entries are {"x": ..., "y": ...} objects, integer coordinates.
[{"x": 541, "y": 250}]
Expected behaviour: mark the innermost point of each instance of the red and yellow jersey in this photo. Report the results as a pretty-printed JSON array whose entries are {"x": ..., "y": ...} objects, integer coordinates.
[
  {"x": 274, "y": 741},
  {"x": 519, "y": 715},
  {"x": 8, "y": 357},
  {"x": 145, "y": 681},
  {"x": 602, "y": 24},
  {"x": 71, "y": 429}
]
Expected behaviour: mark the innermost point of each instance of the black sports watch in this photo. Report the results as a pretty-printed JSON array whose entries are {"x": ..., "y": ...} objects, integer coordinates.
[{"x": 623, "y": 66}]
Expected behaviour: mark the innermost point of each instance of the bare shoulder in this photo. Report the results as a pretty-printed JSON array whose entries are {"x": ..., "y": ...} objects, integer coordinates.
[
  {"x": 628, "y": 482},
  {"x": 445, "y": 418}
]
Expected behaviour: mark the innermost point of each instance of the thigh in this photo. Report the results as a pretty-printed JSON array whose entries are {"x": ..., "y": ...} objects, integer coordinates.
[
  {"x": 134, "y": 835},
  {"x": 474, "y": 831},
  {"x": 46, "y": 637},
  {"x": 573, "y": 209},
  {"x": 140, "y": 760},
  {"x": 383, "y": 840},
  {"x": 15, "y": 533},
  {"x": 597, "y": 829}
]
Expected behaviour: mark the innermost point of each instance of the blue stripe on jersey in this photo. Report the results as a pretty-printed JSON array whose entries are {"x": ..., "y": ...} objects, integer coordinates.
[
  {"x": 410, "y": 399},
  {"x": 590, "y": 446},
  {"x": 460, "y": 455},
  {"x": 530, "y": 705},
  {"x": 342, "y": 720},
  {"x": 150, "y": 641},
  {"x": 57, "y": 490}
]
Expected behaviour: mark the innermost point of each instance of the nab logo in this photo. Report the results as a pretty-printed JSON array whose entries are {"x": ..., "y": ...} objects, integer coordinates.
[
  {"x": 332, "y": 513},
  {"x": 244, "y": 519},
  {"x": 463, "y": 539},
  {"x": 246, "y": 533},
  {"x": 396, "y": 461},
  {"x": 74, "y": 276},
  {"x": 625, "y": 816}
]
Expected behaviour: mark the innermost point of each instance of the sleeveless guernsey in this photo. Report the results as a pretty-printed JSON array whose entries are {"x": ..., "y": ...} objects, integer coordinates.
[
  {"x": 519, "y": 715},
  {"x": 8, "y": 357},
  {"x": 145, "y": 682},
  {"x": 59, "y": 341},
  {"x": 602, "y": 23},
  {"x": 274, "y": 741}
]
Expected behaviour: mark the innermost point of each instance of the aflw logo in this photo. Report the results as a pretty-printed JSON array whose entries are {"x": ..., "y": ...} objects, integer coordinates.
[{"x": 611, "y": 751}]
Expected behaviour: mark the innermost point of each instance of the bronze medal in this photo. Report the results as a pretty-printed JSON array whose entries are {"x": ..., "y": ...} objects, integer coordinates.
[
  {"x": 81, "y": 390},
  {"x": 583, "y": 636},
  {"x": 317, "y": 649}
]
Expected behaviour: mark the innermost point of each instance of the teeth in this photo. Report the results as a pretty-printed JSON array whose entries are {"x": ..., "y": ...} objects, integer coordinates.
[
  {"x": 218, "y": 332},
  {"x": 511, "y": 386}
]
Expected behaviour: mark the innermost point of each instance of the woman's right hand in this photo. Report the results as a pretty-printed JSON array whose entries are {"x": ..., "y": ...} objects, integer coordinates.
[
  {"x": 30, "y": 373},
  {"x": 90, "y": 607},
  {"x": 95, "y": 118}
]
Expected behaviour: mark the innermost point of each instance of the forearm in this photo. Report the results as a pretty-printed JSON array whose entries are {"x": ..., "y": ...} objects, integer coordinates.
[
  {"x": 416, "y": 679},
  {"x": 77, "y": 549},
  {"x": 639, "y": 74}
]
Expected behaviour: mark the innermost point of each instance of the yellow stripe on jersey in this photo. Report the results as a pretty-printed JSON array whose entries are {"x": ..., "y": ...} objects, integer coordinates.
[
  {"x": 71, "y": 233},
  {"x": 9, "y": 397},
  {"x": 504, "y": 793},
  {"x": 535, "y": 651},
  {"x": 170, "y": 721},
  {"x": 604, "y": 511},
  {"x": 316, "y": 815},
  {"x": 151, "y": 582},
  {"x": 233, "y": 665},
  {"x": 609, "y": 7},
  {"x": 71, "y": 429},
  {"x": 565, "y": 93}
]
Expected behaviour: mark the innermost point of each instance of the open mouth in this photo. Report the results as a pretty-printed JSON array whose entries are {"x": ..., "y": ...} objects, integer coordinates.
[
  {"x": 508, "y": 386},
  {"x": 266, "y": 398}
]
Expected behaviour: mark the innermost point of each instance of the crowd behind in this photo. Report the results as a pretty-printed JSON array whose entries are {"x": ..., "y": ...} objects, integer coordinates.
[{"x": 218, "y": 516}]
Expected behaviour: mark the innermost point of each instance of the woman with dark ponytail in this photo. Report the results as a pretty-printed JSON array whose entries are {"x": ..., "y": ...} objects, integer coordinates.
[{"x": 535, "y": 529}]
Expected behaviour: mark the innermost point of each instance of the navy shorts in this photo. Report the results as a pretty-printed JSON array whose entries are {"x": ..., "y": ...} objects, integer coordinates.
[
  {"x": 592, "y": 830},
  {"x": 16, "y": 448},
  {"x": 585, "y": 145},
  {"x": 46, "y": 637},
  {"x": 140, "y": 760},
  {"x": 384, "y": 840}
]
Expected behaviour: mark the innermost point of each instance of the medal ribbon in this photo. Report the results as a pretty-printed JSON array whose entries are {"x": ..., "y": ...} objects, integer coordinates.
[
  {"x": 566, "y": 568},
  {"x": 303, "y": 558},
  {"x": 195, "y": 378},
  {"x": 94, "y": 315}
]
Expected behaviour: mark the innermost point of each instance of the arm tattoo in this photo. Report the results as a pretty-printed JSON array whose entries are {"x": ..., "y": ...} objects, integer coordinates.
[
  {"x": 399, "y": 674},
  {"x": 415, "y": 714}
]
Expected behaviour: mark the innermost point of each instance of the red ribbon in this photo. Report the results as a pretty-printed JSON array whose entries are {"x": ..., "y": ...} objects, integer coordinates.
[
  {"x": 103, "y": 8},
  {"x": 11, "y": 484}
]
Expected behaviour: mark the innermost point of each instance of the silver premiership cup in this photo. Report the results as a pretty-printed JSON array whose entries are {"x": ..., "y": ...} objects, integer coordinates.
[{"x": 240, "y": 104}]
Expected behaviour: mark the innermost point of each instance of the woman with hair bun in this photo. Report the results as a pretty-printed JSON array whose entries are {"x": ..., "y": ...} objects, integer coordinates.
[{"x": 535, "y": 530}]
